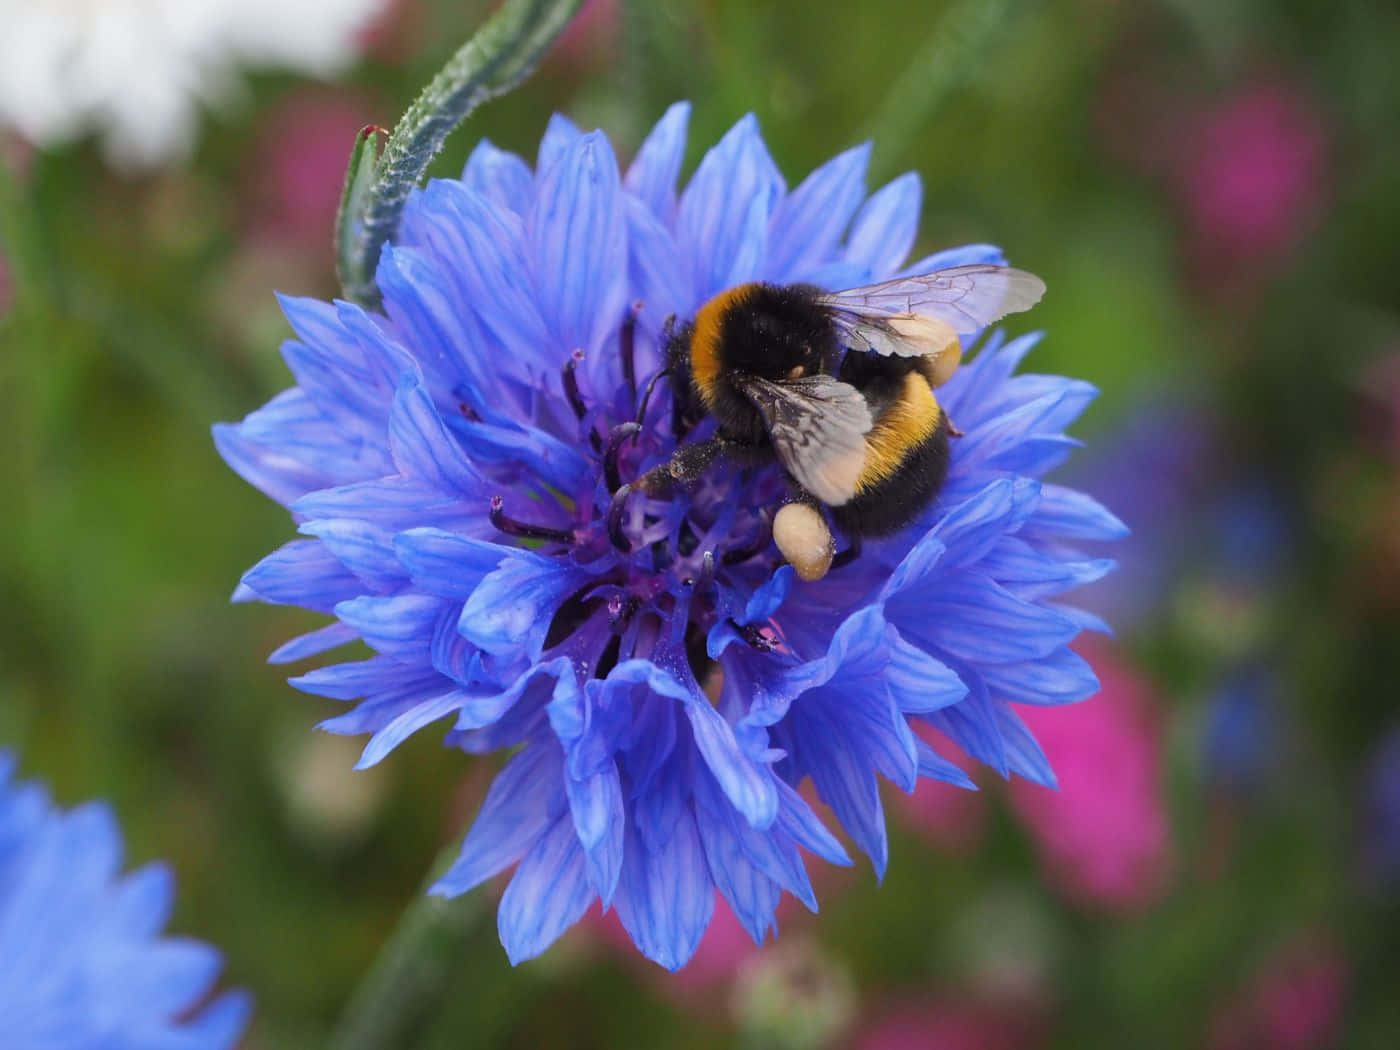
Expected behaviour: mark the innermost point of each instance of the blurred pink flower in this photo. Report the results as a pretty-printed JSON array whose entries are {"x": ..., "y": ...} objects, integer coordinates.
[
  {"x": 1103, "y": 836},
  {"x": 1294, "y": 1001},
  {"x": 593, "y": 33},
  {"x": 952, "y": 818},
  {"x": 1250, "y": 176},
  {"x": 950, "y": 1023},
  {"x": 301, "y": 152}
]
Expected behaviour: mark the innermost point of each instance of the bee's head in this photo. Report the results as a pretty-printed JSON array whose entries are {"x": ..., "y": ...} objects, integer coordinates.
[{"x": 776, "y": 332}]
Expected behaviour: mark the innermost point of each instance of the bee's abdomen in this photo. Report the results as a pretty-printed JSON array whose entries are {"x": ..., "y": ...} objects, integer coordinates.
[{"x": 906, "y": 461}]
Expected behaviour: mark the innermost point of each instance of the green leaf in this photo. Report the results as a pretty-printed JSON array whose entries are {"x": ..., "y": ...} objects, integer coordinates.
[{"x": 354, "y": 198}]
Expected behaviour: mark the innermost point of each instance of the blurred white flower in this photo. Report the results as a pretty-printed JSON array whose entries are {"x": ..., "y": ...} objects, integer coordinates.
[{"x": 135, "y": 71}]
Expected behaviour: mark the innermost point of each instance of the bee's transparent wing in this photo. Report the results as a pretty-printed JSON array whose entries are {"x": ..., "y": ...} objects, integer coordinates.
[
  {"x": 907, "y": 316},
  {"x": 818, "y": 426}
]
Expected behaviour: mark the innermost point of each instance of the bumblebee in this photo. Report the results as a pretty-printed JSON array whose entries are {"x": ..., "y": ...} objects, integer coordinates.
[{"x": 838, "y": 387}]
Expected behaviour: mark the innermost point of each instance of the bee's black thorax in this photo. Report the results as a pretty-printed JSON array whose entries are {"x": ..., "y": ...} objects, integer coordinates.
[{"x": 770, "y": 331}]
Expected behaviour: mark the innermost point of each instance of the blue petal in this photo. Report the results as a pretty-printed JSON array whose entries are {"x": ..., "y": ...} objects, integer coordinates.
[
  {"x": 935, "y": 766},
  {"x": 883, "y": 231},
  {"x": 796, "y": 819},
  {"x": 400, "y": 626},
  {"x": 362, "y": 548},
  {"x": 1023, "y": 755},
  {"x": 972, "y": 528},
  {"x": 917, "y": 682},
  {"x": 524, "y": 800},
  {"x": 511, "y": 609},
  {"x": 313, "y": 643},
  {"x": 578, "y": 239},
  {"x": 977, "y": 619},
  {"x": 305, "y": 573},
  {"x": 446, "y": 564},
  {"x": 751, "y": 894},
  {"x": 288, "y": 448},
  {"x": 657, "y": 269},
  {"x": 393, "y": 504},
  {"x": 556, "y": 678},
  {"x": 748, "y": 786},
  {"x": 426, "y": 308},
  {"x": 666, "y": 897},
  {"x": 422, "y": 447},
  {"x": 1066, "y": 514},
  {"x": 499, "y": 176},
  {"x": 916, "y": 567},
  {"x": 809, "y": 222},
  {"x": 408, "y": 723},
  {"x": 548, "y": 893},
  {"x": 596, "y": 805},
  {"x": 750, "y": 789},
  {"x": 487, "y": 247},
  {"x": 1059, "y": 678},
  {"x": 772, "y": 854},
  {"x": 560, "y": 136},
  {"x": 378, "y": 674},
  {"x": 846, "y": 783},
  {"x": 722, "y": 224},
  {"x": 652, "y": 176}
]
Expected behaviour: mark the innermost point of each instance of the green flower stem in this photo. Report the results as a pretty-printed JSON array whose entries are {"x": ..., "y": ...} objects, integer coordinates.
[
  {"x": 399, "y": 999},
  {"x": 503, "y": 52}
]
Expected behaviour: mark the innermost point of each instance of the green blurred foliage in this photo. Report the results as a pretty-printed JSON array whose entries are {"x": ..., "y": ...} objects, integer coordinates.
[{"x": 143, "y": 312}]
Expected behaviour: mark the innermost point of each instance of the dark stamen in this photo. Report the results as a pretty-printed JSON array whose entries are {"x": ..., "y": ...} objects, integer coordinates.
[
  {"x": 616, "y": 512},
  {"x": 620, "y": 433},
  {"x": 572, "y": 392},
  {"x": 759, "y": 544},
  {"x": 627, "y": 346},
  {"x": 511, "y": 527},
  {"x": 848, "y": 555}
]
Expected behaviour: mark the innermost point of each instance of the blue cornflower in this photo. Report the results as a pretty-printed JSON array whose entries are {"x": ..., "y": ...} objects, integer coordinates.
[
  {"x": 83, "y": 965},
  {"x": 451, "y": 464}
]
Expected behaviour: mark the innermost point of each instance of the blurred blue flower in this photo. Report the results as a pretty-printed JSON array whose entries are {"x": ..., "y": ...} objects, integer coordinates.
[
  {"x": 1245, "y": 729},
  {"x": 1381, "y": 834},
  {"x": 84, "y": 966},
  {"x": 452, "y": 463}
]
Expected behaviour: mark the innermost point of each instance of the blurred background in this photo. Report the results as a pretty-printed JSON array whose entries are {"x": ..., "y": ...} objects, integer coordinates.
[{"x": 1212, "y": 191}]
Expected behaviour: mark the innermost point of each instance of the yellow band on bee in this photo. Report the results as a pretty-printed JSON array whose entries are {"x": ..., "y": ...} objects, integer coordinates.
[
  {"x": 704, "y": 343},
  {"x": 908, "y": 423}
]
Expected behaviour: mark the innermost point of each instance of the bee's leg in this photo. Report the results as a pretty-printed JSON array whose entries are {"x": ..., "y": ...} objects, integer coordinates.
[
  {"x": 848, "y": 555},
  {"x": 684, "y": 467},
  {"x": 953, "y": 429}
]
